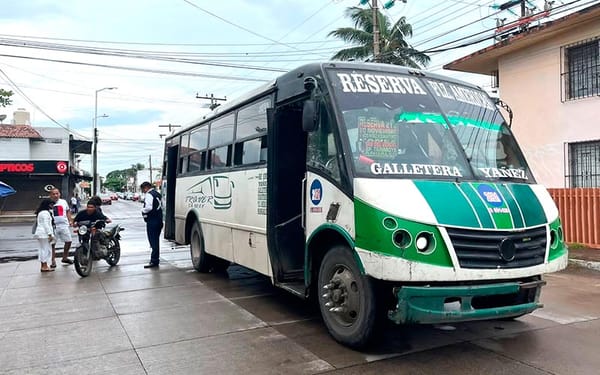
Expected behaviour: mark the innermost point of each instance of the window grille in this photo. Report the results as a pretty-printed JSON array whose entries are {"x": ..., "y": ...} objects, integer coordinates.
[
  {"x": 584, "y": 164},
  {"x": 581, "y": 70}
]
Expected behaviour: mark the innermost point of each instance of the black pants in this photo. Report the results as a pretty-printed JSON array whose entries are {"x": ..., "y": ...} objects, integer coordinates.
[{"x": 153, "y": 228}]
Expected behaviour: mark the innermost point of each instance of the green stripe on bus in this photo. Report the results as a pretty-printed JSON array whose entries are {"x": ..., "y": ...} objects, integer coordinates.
[
  {"x": 480, "y": 208},
  {"x": 533, "y": 212},
  {"x": 449, "y": 206},
  {"x": 512, "y": 205}
]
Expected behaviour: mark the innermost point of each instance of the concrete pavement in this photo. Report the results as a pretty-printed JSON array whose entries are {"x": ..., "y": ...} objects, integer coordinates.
[
  {"x": 173, "y": 320},
  {"x": 131, "y": 320}
]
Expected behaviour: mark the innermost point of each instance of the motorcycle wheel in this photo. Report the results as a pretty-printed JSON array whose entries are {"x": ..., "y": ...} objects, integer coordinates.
[
  {"x": 83, "y": 261},
  {"x": 114, "y": 252}
]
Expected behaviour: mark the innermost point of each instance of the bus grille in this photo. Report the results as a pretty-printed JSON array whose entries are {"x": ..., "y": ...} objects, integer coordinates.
[{"x": 482, "y": 249}]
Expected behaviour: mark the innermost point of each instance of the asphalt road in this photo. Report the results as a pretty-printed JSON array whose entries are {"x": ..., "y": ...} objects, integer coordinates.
[
  {"x": 17, "y": 242},
  {"x": 174, "y": 320}
]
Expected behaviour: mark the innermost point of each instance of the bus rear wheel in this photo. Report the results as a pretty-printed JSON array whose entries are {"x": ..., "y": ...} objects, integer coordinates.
[
  {"x": 346, "y": 298},
  {"x": 200, "y": 259}
]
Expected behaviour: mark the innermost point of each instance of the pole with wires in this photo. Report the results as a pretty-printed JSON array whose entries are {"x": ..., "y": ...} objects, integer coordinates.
[
  {"x": 376, "y": 54},
  {"x": 95, "y": 142}
]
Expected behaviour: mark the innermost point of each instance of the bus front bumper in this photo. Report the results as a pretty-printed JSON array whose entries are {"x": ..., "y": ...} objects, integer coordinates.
[{"x": 443, "y": 304}]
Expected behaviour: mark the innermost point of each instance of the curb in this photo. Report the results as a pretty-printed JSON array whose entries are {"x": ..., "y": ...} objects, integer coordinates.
[{"x": 586, "y": 264}]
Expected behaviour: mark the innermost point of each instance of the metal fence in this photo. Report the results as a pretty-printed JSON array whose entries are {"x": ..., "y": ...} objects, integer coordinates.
[{"x": 579, "y": 212}]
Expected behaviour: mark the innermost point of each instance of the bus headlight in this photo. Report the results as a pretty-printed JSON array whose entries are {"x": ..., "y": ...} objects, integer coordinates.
[
  {"x": 82, "y": 230},
  {"x": 425, "y": 243}
]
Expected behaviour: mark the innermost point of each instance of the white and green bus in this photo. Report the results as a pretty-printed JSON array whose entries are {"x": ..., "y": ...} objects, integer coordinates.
[{"x": 384, "y": 192}]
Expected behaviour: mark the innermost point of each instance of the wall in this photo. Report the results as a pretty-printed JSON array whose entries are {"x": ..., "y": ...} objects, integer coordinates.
[
  {"x": 54, "y": 146},
  {"x": 14, "y": 149},
  {"x": 530, "y": 82}
]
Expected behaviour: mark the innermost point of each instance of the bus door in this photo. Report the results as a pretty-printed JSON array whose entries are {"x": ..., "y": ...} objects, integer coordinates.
[
  {"x": 170, "y": 171},
  {"x": 286, "y": 170}
]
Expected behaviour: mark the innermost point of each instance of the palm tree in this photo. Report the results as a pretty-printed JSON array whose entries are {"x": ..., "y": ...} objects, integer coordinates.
[{"x": 394, "y": 49}]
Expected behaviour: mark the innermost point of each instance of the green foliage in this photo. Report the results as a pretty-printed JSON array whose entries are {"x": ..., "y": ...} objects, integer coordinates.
[
  {"x": 117, "y": 180},
  {"x": 394, "y": 49},
  {"x": 5, "y": 99}
]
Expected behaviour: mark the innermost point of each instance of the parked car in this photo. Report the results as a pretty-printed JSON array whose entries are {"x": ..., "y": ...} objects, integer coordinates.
[
  {"x": 121, "y": 195},
  {"x": 106, "y": 199},
  {"x": 135, "y": 197},
  {"x": 129, "y": 195},
  {"x": 114, "y": 196}
]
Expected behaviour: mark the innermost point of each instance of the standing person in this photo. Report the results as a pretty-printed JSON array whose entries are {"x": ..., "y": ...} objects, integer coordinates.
[
  {"x": 64, "y": 222},
  {"x": 74, "y": 205},
  {"x": 152, "y": 213},
  {"x": 44, "y": 232}
]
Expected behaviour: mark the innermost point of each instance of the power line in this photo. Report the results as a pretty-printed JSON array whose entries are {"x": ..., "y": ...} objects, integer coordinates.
[
  {"x": 131, "y": 54},
  {"x": 12, "y": 42},
  {"x": 22, "y": 93},
  {"x": 158, "y": 43},
  {"x": 145, "y": 70},
  {"x": 495, "y": 35},
  {"x": 238, "y": 26}
]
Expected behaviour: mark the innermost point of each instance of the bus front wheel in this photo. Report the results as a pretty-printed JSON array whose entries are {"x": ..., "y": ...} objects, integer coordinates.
[
  {"x": 346, "y": 298},
  {"x": 200, "y": 259}
]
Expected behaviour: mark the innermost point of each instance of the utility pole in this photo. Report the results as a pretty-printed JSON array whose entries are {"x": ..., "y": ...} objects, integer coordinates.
[
  {"x": 150, "y": 163},
  {"x": 169, "y": 126},
  {"x": 213, "y": 100},
  {"x": 375, "y": 31}
]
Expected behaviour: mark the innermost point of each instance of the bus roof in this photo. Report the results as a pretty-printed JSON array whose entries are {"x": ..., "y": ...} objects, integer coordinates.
[{"x": 297, "y": 76}]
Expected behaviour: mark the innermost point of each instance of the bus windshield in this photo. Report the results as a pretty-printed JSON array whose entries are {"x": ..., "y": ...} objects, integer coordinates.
[{"x": 400, "y": 126}]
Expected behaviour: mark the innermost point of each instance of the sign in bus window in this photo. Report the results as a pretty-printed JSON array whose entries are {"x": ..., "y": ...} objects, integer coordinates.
[{"x": 377, "y": 139}]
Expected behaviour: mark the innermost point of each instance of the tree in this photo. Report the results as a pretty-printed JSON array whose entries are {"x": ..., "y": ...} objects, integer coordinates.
[
  {"x": 5, "y": 99},
  {"x": 394, "y": 49},
  {"x": 117, "y": 180}
]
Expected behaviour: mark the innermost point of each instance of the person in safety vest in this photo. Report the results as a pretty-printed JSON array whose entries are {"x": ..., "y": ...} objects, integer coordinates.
[{"x": 152, "y": 213}]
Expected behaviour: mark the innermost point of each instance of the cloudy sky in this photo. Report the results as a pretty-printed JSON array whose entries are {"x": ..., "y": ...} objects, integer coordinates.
[{"x": 254, "y": 39}]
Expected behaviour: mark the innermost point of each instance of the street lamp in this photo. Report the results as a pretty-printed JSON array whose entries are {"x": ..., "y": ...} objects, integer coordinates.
[{"x": 95, "y": 142}]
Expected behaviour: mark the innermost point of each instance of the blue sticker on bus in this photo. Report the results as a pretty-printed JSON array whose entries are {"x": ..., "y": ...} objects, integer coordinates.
[
  {"x": 490, "y": 195},
  {"x": 316, "y": 192}
]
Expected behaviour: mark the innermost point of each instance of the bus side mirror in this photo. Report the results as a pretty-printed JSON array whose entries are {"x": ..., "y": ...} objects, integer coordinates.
[{"x": 309, "y": 116}]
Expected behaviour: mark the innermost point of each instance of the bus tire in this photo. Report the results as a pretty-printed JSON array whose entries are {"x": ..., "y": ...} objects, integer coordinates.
[
  {"x": 346, "y": 298},
  {"x": 200, "y": 259}
]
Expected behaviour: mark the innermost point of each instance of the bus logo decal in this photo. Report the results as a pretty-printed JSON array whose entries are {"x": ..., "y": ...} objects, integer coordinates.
[
  {"x": 490, "y": 195},
  {"x": 216, "y": 191},
  {"x": 316, "y": 192}
]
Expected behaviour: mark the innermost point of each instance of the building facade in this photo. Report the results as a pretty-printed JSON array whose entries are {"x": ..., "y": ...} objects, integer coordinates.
[
  {"x": 34, "y": 160},
  {"x": 550, "y": 77}
]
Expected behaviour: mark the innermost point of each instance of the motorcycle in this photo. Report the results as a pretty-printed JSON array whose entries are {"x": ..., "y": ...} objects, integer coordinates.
[{"x": 95, "y": 243}]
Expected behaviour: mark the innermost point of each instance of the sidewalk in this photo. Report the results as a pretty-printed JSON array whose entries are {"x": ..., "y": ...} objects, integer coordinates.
[
  {"x": 131, "y": 320},
  {"x": 585, "y": 257}
]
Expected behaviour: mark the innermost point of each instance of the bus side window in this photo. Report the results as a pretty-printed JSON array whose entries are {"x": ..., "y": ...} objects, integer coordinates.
[
  {"x": 220, "y": 157},
  {"x": 322, "y": 152},
  {"x": 251, "y": 151}
]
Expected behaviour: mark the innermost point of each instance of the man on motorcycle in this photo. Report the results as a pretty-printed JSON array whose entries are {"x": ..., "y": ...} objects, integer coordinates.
[{"x": 90, "y": 214}]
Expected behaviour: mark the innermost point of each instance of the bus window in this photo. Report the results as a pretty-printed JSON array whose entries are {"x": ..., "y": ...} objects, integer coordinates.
[
  {"x": 199, "y": 139},
  {"x": 220, "y": 158},
  {"x": 221, "y": 131},
  {"x": 183, "y": 153},
  {"x": 322, "y": 152},
  {"x": 196, "y": 161},
  {"x": 252, "y": 120}
]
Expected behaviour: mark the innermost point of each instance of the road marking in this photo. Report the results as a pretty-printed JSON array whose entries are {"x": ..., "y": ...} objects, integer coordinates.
[{"x": 561, "y": 318}]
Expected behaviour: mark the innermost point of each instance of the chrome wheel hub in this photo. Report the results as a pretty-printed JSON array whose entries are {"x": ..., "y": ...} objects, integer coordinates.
[{"x": 342, "y": 296}]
